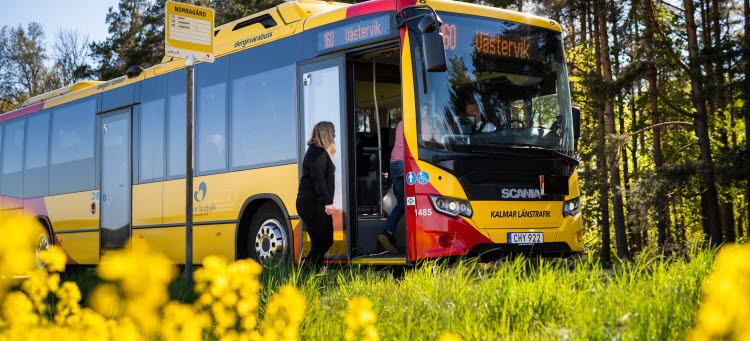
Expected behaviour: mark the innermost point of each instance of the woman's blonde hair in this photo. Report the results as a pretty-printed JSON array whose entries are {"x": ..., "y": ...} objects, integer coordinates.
[{"x": 322, "y": 136}]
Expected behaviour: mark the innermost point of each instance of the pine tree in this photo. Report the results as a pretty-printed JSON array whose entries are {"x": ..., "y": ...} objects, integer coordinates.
[{"x": 136, "y": 31}]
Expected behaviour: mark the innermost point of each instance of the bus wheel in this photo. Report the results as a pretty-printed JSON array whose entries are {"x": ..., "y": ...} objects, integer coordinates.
[
  {"x": 269, "y": 240},
  {"x": 42, "y": 244}
]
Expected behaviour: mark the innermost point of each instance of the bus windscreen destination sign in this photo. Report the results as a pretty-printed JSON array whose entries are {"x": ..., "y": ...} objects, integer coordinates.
[
  {"x": 189, "y": 31},
  {"x": 351, "y": 34}
]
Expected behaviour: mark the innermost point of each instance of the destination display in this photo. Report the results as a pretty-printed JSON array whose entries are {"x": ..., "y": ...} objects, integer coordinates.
[
  {"x": 354, "y": 33},
  {"x": 485, "y": 43},
  {"x": 501, "y": 45}
]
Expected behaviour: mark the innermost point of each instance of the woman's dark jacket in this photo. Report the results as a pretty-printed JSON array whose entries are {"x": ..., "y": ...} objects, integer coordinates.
[{"x": 317, "y": 183}]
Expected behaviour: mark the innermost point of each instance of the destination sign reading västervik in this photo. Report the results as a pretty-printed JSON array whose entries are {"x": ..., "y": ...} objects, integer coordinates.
[
  {"x": 189, "y": 31},
  {"x": 360, "y": 32}
]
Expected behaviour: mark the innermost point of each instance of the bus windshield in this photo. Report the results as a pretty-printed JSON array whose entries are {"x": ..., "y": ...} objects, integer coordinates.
[{"x": 506, "y": 86}]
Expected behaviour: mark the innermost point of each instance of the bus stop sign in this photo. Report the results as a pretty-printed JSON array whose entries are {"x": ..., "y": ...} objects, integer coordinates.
[{"x": 189, "y": 31}]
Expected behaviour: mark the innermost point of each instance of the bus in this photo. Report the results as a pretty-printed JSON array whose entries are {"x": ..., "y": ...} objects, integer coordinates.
[{"x": 102, "y": 164}]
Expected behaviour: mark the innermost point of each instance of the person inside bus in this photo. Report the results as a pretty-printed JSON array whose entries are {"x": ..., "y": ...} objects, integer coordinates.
[
  {"x": 387, "y": 239},
  {"x": 316, "y": 190},
  {"x": 481, "y": 125}
]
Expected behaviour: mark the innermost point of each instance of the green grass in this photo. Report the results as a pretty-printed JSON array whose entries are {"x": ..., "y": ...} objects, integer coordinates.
[{"x": 520, "y": 298}]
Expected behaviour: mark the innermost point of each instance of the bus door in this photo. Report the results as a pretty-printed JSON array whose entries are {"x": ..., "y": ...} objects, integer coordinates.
[
  {"x": 322, "y": 92},
  {"x": 115, "y": 179}
]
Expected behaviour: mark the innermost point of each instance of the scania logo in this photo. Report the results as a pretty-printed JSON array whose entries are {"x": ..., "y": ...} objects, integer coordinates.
[{"x": 516, "y": 193}]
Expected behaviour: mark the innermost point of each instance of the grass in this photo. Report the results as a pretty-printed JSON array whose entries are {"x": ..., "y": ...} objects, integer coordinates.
[{"x": 519, "y": 298}]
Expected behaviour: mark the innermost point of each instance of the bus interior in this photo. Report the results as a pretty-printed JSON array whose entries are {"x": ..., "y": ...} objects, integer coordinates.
[{"x": 377, "y": 111}]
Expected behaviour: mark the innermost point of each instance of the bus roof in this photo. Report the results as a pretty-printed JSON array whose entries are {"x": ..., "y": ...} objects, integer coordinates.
[{"x": 284, "y": 20}]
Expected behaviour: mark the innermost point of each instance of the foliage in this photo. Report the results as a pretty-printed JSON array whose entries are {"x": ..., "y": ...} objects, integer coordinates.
[
  {"x": 136, "y": 31},
  {"x": 23, "y": 72}
]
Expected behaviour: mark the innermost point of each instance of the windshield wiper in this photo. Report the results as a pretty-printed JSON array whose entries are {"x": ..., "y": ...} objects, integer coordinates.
[
  {"x": 523, "y": 146},
  {"x": 503, "y": 155}
]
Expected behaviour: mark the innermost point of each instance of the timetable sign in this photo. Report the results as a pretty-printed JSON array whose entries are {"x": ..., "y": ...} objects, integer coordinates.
[{"x": 189, "y": 31}]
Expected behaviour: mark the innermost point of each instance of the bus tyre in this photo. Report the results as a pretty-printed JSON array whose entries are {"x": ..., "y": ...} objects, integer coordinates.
[
  {"x": 270, "y": 240},
  {"x": 42, "y": 244}
]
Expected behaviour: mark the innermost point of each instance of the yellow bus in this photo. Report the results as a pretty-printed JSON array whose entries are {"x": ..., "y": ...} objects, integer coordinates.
[{"x": 101, "y": 164}]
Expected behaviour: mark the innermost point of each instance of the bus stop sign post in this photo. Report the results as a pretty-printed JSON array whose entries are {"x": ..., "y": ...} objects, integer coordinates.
[
  {"x": 189, "y": 34},
  {"x": 189, "y": 95}
]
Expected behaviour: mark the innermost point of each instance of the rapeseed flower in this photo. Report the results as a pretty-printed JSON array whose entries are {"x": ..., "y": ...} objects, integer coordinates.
[
  {"x": 143, "y": 278},
  {"x": 449, "y": 337},
  {"x": 725, "y": 309},
  {"x": 360, "y": 320},
  {"x": 17, "y": 247},
  {"x": 284, "y": 314}
]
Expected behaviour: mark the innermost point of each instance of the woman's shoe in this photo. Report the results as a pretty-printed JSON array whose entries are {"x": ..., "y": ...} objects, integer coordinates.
[{"x": 388, "y": 242}]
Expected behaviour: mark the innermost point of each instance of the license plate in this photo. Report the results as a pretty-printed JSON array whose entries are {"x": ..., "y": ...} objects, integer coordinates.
[{"x": 526, "y": 238}]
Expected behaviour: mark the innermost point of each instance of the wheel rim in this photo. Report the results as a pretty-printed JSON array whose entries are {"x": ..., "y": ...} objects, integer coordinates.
[
  {"x": 42, "y": 244},
  {"x": 271, "y": 241}
]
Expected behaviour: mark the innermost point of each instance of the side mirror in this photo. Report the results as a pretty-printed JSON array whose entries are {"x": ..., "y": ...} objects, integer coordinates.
[
  {"x": 434, "y": 52},
  {"x": 576, "y": 123},
  {"x": 432, "y": 44}
]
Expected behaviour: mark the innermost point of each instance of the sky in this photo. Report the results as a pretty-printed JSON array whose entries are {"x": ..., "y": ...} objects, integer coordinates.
[{"x": 87, "y": 16}]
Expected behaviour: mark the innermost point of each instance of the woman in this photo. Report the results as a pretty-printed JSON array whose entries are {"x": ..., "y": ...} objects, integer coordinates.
[{"x": 316, "y": 188}]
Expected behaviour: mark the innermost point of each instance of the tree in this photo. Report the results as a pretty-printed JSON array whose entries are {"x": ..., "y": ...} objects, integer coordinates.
[
  {"x": 231, "y": 10},
  {"x": 662, "y": 223},
  {"x": 23, "y": 73},
  {"x": 609, "y": 116},
  {"x": 136, "y": 31},
  {"x": 709, "y": 194},
  {"x": 70, "y": 52}
]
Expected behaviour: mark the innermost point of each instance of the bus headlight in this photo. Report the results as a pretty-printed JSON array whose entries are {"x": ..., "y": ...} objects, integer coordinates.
[
  {"x": 571, "y": 206},
  {"x": 450, "y": 206}
]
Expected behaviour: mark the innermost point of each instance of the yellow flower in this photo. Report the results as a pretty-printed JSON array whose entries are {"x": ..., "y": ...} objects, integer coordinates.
[
  {"x": 38, "y": 286},
  {"x": 106, "y": 300},
  {"x": 361, "y": 318},
  {"x": 17, "y": 247},
  {"x": 182, "y": 322},
  {"x": 68, "y": 307},
  {"x": 284, "y": 314},
  {"x": 449, "y": 337},
  {"x": 54, "y": 257},
  {"x": 18, "y": 310},
  {"x": 725, "y": 309}
]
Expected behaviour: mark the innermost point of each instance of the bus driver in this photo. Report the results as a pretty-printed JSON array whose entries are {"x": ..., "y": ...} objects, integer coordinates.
[{"x": 480, "y": 125}]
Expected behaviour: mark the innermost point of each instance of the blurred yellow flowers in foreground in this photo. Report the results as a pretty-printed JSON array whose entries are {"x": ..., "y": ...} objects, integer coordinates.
[
  {"x": 725, "y": 310},
  {"x": 132, "y": 302}
]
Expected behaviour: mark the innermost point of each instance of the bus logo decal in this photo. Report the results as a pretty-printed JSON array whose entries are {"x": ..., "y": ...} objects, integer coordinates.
[
  {"x": 411, "y": 201},
  {"x": 202, "y": 191},
  {"x": 515, "y": 193},
  {"x": 411, "y": 178},
  {"x": 423, "y": 177}
]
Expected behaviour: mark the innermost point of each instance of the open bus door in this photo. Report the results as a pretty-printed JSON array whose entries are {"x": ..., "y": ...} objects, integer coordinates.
[{"x": 322, "y": 97}]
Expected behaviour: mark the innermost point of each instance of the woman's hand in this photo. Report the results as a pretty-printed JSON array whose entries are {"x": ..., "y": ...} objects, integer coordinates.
[{"x": 329, "y": 209}]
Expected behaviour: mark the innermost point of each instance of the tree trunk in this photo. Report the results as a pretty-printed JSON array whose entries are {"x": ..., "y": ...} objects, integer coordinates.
[
  {"x": 601, "y": 164},
  {"x": 612, "y": 160},
  {"x": 709, "y": 195},
  {"x": 662, "y": 208},
  {"x": 727, "y": 220}
]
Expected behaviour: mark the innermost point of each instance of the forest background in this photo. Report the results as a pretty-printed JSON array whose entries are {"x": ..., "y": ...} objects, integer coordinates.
[{"x": 663, "y": 86}]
